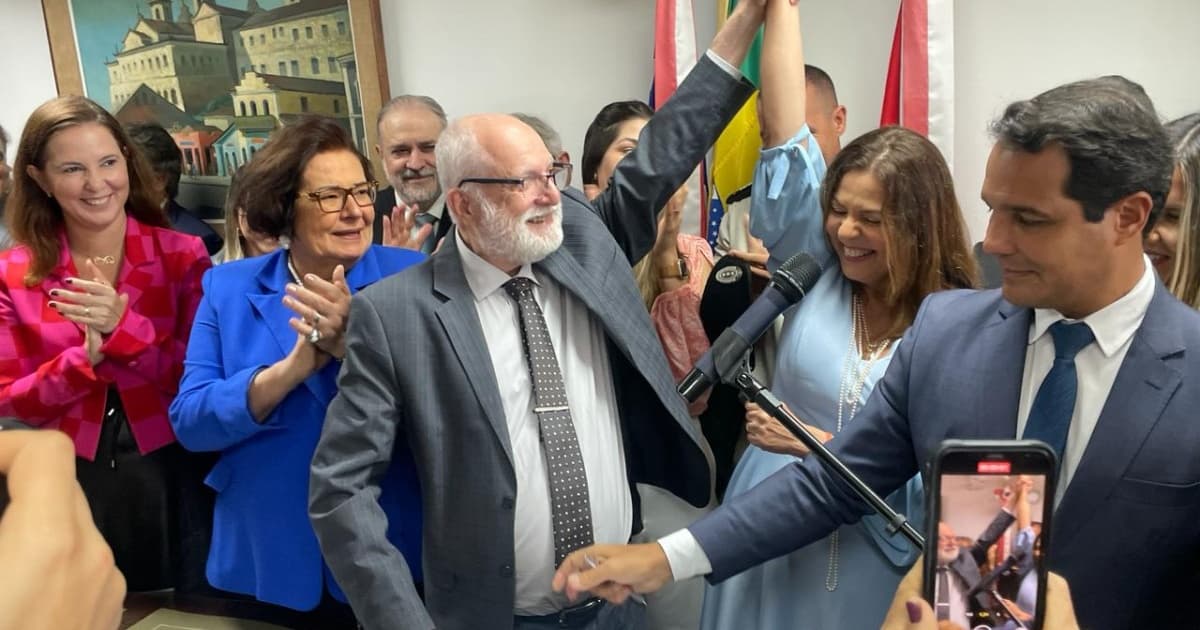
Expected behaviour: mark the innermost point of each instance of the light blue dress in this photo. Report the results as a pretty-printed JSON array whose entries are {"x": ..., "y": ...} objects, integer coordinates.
[{"x": 792, "y": 591}]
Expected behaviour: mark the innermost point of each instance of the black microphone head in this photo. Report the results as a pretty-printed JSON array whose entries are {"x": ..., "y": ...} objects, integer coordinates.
[{"x": 796, "y": 276}]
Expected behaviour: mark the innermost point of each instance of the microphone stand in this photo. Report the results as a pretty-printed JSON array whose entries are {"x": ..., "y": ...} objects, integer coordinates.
[{"x": 756, "y": 392}]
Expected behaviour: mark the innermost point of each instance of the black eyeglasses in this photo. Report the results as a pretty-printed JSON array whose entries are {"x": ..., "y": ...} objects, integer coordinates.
[
  {"x": 559, "y": 176},
  {"x": 333, "y": 198}
]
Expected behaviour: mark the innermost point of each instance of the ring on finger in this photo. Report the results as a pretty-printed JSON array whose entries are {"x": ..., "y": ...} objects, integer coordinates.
[
  {"x": 87, "y": 311},
  {"x": 314, "y": 336},
  {"x": 316, "y": 319}
]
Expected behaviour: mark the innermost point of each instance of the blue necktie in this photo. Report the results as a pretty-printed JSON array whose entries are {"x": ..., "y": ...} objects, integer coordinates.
[
  {"x": 423, "y": 219},
  {"x": 1050, "y": 417}
]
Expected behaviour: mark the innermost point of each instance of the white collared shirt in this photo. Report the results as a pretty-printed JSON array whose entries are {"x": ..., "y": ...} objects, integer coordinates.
[
  {"x": 1096, "y": 365},
  {"x": 582, "y": 350}
]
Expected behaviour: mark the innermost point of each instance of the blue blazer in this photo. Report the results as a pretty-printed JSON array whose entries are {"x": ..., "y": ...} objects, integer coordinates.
[
  {"x": 1127, "y": 531},
  {"x": 263, "y": 544}
]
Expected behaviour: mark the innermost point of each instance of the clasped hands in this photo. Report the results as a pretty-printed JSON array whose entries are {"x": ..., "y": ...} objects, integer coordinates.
[
  {"x": 625, "y": 569},
  {"x": 93, "y": 304},
  {"x": 322, "y": 308}
]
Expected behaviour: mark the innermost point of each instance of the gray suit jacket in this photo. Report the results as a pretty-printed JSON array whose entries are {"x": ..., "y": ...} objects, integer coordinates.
[
  {"x": 1124, "y": 535},
  {"x": 418, "y": 375}
]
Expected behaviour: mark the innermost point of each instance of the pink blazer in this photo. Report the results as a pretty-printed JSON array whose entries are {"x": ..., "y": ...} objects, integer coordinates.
[{"x": 45, "y": 376}]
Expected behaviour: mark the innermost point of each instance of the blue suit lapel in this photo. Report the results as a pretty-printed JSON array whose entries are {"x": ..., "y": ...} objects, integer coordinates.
[
  {"x": 460, "y": 320},
  {"x": 1004, "y": 368},
  {"x": 1144, "y": 385}
]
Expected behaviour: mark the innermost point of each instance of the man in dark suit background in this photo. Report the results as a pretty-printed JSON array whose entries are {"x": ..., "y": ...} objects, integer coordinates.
[
  {"x": 167, "y": 162},
  {"x": 435, "y": 363},
  {"x": 1076, "y": 175},
  {"x": 408, "y": 128}
]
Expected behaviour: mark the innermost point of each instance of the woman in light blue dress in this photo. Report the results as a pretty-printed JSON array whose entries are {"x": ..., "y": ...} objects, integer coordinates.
[{"x": 887, "y": 229}]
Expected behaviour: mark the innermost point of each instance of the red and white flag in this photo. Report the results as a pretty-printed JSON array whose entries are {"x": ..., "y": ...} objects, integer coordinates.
[
  {"x": 919, "y": 92},
  {"x": 674, "y": 56}
]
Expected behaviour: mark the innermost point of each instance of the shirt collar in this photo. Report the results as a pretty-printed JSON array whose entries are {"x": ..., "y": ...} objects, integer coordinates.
[
  {"x": 483, "y": 277},
  {"x": 1112, "y": 325},
  {"x": 438, "y": 207}
]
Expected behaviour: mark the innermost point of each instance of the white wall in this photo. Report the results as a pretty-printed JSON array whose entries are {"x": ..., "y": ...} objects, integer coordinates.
[
  {"x": 26, "y": 75},
  {"x": 1015, "y": 49},
  {"x": 564, "y": 59}
]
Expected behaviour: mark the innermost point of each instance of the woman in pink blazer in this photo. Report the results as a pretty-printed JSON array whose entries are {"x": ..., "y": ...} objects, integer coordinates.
[{"x": 96, "y": 305}]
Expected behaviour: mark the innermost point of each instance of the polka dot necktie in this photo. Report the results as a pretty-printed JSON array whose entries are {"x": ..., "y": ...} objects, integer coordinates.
[{"x": 569, "y": 505}]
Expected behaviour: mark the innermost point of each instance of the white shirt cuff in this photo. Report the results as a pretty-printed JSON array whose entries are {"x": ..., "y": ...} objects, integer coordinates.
[
  {"x": 724, "y": 65},
  {"x": 684, "y": 555}
]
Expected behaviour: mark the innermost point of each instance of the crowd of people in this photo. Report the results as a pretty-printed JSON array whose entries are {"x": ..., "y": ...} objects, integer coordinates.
[{"x": 433, "y": 404}]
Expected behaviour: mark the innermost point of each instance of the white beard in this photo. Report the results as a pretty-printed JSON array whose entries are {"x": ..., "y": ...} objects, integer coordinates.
[{"x": 509, "y": 238}]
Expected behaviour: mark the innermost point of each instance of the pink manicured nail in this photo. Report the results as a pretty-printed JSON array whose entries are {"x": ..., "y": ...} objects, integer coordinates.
[{"x": 914, "y": 611}]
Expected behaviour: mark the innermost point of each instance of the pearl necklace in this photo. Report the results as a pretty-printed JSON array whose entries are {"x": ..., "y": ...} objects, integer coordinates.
[{"x": 855, "y": 370}]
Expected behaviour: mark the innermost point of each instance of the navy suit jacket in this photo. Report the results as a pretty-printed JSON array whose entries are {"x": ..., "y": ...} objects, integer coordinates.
[
  {"x": 263, "y": 544},
  {"x": 1126, "y": 534}
]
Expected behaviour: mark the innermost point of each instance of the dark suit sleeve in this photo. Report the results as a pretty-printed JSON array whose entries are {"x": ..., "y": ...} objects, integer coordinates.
[
  {"x": 352, "y": 456},
  {"x": 990, "y": 535},
  {"x": 671, "y": 146},
  {"x": 804, "y": 502}
]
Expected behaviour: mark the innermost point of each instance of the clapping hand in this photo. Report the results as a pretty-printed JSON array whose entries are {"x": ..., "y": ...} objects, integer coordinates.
[
  {"x": 323, "y": 307},
  {"x": 397, "y": 228},
  {"x": 93, "y": 304}
]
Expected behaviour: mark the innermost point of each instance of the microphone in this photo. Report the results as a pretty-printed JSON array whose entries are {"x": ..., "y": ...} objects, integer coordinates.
[{"x": 788, "y": 285}]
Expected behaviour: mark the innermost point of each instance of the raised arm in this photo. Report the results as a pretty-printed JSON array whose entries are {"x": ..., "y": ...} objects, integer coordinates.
[
  {"x": 676, "y": 139},
  {"x": 785, "y": 208},
  {"x": 782, "y": 72}
]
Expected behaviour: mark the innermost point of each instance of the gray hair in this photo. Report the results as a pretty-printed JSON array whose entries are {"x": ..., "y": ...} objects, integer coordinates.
[
  {"x": 1114, "y": 142},
  {"x": 459, "y": 155},
  {"x": 550, "y": 137},
  {"x": 412, "y": 100}
]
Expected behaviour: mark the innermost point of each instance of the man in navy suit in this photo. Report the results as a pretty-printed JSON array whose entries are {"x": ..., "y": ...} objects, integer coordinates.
[{"x": 1076, "y": 176}]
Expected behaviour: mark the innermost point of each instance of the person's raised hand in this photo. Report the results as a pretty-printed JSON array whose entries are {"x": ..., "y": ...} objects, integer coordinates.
[{"x": 397, "y": 228}]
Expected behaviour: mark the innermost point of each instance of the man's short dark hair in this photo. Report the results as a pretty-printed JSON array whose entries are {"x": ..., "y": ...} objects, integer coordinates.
[
  {"x": 1115, "y": 144},
  {"x": 161, "y": 152},
  {"x": 820, "y": 79}
]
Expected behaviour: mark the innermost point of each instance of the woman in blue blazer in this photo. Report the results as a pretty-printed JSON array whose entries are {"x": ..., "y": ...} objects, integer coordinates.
[{"x": 262, "y": 367}]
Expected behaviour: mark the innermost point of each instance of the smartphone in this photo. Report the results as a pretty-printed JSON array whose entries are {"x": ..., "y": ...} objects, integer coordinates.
[{"x": 990, "y": 505}]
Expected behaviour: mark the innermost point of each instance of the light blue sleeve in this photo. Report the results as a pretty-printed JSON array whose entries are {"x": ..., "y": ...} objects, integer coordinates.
[{"x": 785, "y": 200}]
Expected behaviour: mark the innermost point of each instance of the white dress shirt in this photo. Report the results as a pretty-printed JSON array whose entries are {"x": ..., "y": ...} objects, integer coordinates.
[
  {"x": 1096, "y": 369},
  {"x": 1096, "y": 366},
  {"x": 956, "y": 592},
  {"x": 581, "y": 347}
]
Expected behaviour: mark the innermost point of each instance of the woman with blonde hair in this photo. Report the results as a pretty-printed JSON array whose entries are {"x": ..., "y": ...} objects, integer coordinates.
[{"x": 1173, "y": 244}]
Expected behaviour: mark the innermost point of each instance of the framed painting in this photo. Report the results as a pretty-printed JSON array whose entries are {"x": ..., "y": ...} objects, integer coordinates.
[{"x": 221, "y": 75}]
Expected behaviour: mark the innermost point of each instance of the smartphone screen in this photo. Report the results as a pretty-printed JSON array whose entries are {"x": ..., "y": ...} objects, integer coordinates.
[{"x": 990, "y": 504}]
